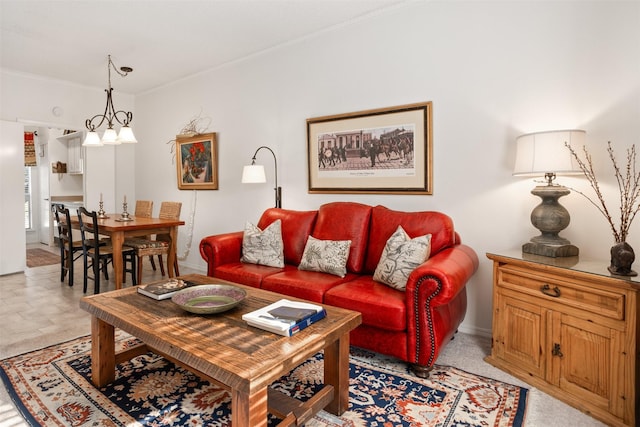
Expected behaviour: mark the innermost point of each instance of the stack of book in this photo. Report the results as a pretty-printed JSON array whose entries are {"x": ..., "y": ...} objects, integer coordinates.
[
  {"x": 163, "y": 289},
  {"x": 285, "y": 317}
]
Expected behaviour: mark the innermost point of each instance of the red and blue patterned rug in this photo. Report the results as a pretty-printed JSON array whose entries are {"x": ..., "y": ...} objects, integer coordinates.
[{"x": 52, "y": 386}]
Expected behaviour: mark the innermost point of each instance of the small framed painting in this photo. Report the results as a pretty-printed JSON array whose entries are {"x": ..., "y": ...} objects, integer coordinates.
[
  {"x": 197, "y": 162},
  {"x": 382, "y": 151}
]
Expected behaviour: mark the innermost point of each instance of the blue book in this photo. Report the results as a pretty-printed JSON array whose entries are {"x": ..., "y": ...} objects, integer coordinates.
[
  {"x": 307, "y": 321},
  {"x": 285, "y": 317}
]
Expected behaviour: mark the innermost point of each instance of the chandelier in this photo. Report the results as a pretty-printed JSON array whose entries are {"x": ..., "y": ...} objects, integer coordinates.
[{"x": 111, "y": 117}]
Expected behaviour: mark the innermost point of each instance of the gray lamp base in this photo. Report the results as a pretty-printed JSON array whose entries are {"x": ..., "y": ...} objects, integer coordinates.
[
  {"x": 553, "y": 251},
  {"x": 550, "y": 217}
]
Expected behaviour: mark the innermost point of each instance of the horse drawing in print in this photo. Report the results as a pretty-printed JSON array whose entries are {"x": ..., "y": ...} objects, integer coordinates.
[{"x": 406, "y": 149}]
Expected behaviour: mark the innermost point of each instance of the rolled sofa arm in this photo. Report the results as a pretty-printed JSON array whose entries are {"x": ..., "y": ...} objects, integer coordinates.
[
  {"x": 436, "y": 301},
  {"x": 221, "y": 249}
]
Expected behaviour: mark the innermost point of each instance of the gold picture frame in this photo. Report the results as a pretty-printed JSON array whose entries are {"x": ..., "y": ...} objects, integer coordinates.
[
  {"x": 197, "y": 162},
  {"x": 381, "y": 151}
]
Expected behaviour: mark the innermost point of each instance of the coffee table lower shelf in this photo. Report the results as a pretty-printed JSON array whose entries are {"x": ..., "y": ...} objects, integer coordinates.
[{"x": 291, "y": 411}]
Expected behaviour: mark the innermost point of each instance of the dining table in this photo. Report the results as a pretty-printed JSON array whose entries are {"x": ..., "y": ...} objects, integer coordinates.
[{"x": 119, "y": 229}]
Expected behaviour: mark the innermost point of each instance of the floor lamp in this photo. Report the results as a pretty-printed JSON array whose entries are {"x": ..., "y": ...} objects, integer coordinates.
[
  {"x": 545, "y": 153},
  {"x": 254, "y": 174}
]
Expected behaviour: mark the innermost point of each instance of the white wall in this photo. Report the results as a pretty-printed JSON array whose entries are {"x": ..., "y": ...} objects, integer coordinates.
[{"x": 494, "y": 70}]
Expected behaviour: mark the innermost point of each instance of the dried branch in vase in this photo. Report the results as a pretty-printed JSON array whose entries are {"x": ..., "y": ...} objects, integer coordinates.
[{"x": 628, "y": 184}]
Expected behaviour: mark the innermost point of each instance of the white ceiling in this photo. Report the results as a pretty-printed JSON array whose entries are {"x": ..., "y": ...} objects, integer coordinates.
[{"x": 161, "y": 40}]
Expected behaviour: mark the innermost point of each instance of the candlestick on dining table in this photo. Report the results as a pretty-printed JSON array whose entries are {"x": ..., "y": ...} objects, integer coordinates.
[
  {"x": 101, "y": 213},
  {"x": 125, "y": 215}
]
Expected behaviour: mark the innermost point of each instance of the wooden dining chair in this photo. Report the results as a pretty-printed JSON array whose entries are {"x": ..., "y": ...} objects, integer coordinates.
[
  {"x": 144, "y": 209},
  {"x": 158, "y": 246},
  {"x": 169, "y": 210},
  {"x": 100, "y": 255},
  {"x": 68, "y": 247}
]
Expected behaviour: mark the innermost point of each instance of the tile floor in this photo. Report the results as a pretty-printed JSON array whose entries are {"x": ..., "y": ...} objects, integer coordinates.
[{"x": 38, "y": 310}]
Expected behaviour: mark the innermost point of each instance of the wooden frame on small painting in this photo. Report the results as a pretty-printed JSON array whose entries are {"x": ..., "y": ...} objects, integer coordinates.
[
  {"x": 382, "y": 151},
  {"x": 197, "y": 162}
]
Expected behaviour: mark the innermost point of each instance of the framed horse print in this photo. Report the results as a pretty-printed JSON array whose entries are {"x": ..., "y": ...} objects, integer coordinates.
[
  {"x": 382, "y": 151},
  {"x": 197, "y": 162}
]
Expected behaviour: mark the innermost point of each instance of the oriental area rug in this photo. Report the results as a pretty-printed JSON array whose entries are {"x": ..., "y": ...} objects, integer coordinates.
[{"x": 52, "y": 386}]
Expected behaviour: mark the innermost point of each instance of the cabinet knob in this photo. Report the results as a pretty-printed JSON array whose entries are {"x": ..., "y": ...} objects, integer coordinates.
[
  {"x": 556, "y": 350},
  {"x": 546, "y": 289}
]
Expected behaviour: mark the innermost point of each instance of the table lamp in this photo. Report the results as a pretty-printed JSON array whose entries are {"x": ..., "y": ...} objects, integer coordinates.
[{"x": 545, "y": 154}]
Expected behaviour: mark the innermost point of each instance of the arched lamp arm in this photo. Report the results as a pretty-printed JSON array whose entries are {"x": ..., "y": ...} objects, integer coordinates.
[{"x": 277, "y": 189}]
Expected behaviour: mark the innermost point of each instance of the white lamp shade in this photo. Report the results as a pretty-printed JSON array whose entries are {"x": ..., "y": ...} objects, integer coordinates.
[
  {"x": 542, "y": 152},
  {"x": 253, "y": 174},
  {"x": 126, "y": 135},
  {"x": 110, "y": 137},
  {"x": 92, "y": 140}
]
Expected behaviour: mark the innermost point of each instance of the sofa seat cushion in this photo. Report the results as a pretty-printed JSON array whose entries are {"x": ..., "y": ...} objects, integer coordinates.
[
  {"x": 380, "y": 305},
  {"x": 309, "y": 285},
  {"x": 247, "y": 274}
]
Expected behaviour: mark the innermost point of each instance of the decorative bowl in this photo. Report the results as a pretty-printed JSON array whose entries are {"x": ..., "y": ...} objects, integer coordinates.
[{"x": 208, "y": 299}]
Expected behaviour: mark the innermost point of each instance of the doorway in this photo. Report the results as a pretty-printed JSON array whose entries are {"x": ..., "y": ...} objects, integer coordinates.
[{"x": 36, "y": 185}]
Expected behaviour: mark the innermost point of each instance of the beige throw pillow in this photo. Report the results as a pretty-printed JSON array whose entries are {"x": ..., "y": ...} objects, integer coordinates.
[
  {"x": 401, "y": 255},
  {"x": 326, "y": 256},
  {"x": 263, "y": 247}
]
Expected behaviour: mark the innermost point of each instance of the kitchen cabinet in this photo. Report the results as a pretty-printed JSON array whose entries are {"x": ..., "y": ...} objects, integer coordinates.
[
  {"x": 568, "y": 327},
  {"x": 75, "y": 152}
]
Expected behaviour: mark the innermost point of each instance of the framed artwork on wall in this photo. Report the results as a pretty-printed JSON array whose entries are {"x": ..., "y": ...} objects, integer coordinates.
[
  {"x": 197, "y": 162},
  {"x": 382, "y": 151}
]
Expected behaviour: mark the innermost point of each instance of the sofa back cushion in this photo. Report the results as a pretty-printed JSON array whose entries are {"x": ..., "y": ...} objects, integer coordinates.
[
  {"x": 345, "y": 221},
  {"x": 296, "y": 227},
  {"x": 384, "y": 222}
]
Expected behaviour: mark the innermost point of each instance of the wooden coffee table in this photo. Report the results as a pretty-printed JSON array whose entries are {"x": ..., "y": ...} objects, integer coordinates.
[{"x": 225, "y": 350}]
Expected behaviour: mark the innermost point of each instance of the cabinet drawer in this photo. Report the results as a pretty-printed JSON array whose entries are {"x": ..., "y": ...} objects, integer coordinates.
[{"x": 563, "y": 290}]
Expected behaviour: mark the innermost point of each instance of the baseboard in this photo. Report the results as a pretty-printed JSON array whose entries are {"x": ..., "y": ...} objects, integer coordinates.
[{"x": 473, "y": 330}]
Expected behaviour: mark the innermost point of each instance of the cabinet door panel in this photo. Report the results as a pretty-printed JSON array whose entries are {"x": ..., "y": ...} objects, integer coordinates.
[
  {"x": 586, "y": 361},
  {"x": 520, "y": 342}
]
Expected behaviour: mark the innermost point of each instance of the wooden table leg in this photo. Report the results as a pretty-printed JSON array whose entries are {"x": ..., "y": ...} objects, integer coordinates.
[
  {"x": 336, "y": 373},
  {"x": 117, "y": 239},
  {"x": 171, "y": 256},
  {"x": 103, "y": 352},
  {"x": 249, "y": 410}
]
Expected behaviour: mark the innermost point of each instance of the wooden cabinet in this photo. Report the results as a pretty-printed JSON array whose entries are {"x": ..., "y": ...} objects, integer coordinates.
[
  {"x": 568, "y": 327},
  {"x": 75, "y": 152}
]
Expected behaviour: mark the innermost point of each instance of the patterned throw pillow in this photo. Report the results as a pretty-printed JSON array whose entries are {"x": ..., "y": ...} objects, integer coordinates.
[
  {"x": 326, "y": 256},
  {"x": 263, "y": 247},
  {"x": 400, "y": 257}
]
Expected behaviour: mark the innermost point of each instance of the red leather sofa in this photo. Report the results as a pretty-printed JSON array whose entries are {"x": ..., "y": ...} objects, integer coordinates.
[{"x": 413, "y": 325}]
